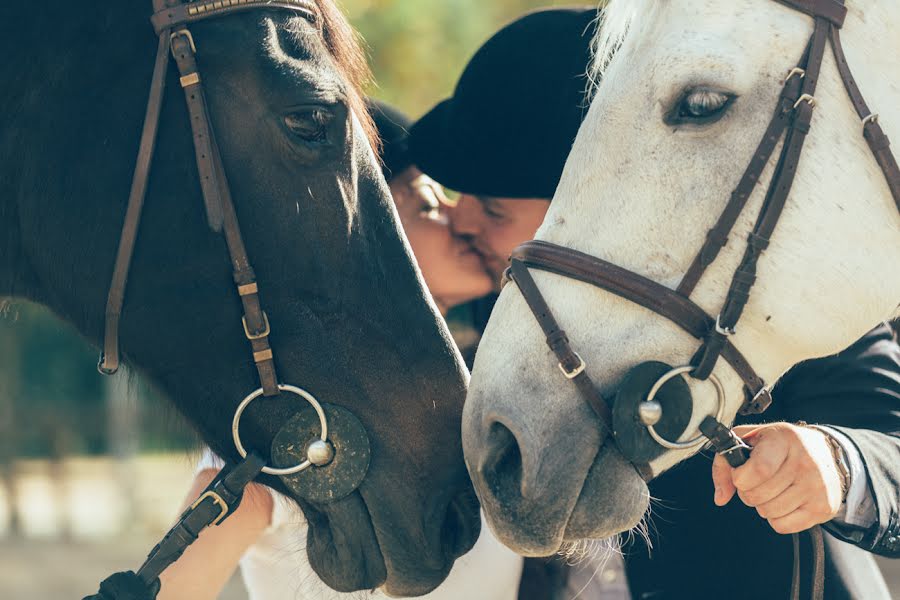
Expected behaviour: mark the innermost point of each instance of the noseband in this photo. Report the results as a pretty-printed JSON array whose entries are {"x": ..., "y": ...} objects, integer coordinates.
[
  {"x": 638, "y": 412},
  {"x": 306, "y": 440}
]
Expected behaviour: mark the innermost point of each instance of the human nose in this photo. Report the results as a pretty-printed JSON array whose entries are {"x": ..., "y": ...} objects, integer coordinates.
[{"x": 466, "y": 217}]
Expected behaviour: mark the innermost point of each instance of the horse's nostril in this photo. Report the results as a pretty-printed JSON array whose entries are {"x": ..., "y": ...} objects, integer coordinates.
[
  {"x": 501, "y": 468},
  {"x": 461, "y": 525}
]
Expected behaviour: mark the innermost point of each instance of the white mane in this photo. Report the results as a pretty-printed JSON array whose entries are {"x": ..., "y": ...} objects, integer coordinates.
[{"x": 618, "y": 18}]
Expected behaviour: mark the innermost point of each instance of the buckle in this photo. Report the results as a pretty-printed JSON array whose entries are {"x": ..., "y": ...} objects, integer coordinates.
[
  {"x": 726, "y": 331},
  {"x": 257, "y": 336},
  {"x": 808, "y": 98},
  {"x": 872, "y": 118},
  {"x": 576, "y": 371},
  {"x": 795, "y": 71},
  {"x": 217, "y": 500},
  {"x": 187, "y": 34}
]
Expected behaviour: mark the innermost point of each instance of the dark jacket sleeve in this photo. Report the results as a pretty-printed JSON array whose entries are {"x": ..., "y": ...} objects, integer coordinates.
[{"x": 857, "y": 391}]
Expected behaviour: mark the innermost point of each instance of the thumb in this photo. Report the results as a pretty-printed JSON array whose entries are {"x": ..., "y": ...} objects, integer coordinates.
[
  {"x": 748, "y": 432},
  {"x": 721, "y": 474}
]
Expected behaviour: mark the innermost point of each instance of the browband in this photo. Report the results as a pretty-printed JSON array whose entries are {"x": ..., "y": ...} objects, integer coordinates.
[{"x": 183, "y": 14}]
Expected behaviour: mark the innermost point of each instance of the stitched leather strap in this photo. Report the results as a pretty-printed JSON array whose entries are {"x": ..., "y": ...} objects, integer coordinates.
[
  {"x": 832, "y": 11},
  {"x": 717, "y": 237},
  {"x": 665, "y": 302},
  {"x": 779, "y": 189},
  {"x": 878, "y": 141},
  {"x": 180, "y": 14},
  {"x": 217, "y": 502},
  {"x": 217, "y": 195},
  {"x": 570, "y": 363},
  {"x": 109, "y": 360}
]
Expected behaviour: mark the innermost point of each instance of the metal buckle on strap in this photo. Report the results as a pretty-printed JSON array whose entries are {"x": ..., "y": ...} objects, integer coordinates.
[
  {"x": 217, "y": 500},
  {"x": 808, "y": 98},
  {"x": 257, "y": 336},
  {"x": 873, "y": 118},
  {"x": 187, "y": 34},
  {"x": 795, "y": 71},
  {"x": 576, "y": 371},
  {"x": 726, "y": 331}
]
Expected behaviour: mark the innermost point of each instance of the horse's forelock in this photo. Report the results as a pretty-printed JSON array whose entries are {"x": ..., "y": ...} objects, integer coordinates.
[
  {"x": 617, "y": 19},
  {"x": 344, "y": 44}
]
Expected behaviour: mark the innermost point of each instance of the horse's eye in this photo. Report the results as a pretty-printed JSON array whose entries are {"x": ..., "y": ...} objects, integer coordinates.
[
  {"x": 310, "y": 125},
  {"x": 700, "y": 106}
]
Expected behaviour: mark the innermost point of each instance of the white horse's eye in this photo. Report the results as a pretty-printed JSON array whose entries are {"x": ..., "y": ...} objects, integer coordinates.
[{"x": 700, "y": 106}]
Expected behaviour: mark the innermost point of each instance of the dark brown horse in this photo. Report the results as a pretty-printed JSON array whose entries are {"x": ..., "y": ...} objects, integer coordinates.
[{"x": 351, "y": 321}]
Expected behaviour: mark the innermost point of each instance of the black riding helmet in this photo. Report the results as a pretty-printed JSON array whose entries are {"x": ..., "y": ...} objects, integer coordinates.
[
  {"x": 511, "y": 121},
  {"x": 393, "y": 128}
]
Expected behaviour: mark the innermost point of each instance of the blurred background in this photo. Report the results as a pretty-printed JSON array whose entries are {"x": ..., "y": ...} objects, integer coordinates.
[{"x": 93, "y": 469}]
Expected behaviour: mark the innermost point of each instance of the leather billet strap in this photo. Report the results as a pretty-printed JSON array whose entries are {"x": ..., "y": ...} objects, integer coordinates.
[
  {"x": 874, "y": 135},
  {"x": 779, "y": 189},
  {"x": 538, "y": 254},
  {"x": 217, "y": 196},
  {"x": 717, "y": 237}
]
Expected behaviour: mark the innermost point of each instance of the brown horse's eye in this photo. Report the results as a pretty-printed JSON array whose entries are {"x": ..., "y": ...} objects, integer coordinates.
[{"x": 310, "y": 125}]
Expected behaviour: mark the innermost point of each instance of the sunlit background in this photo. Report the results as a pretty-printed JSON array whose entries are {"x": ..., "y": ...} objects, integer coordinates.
[{"x": 92, "y": 470}]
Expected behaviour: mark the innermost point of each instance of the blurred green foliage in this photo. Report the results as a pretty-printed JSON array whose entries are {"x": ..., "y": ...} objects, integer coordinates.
[{"x": 53, "y": 401}]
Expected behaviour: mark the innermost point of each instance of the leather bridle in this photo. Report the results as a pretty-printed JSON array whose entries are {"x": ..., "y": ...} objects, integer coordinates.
[
  {"x": 791, "y": 122},
  {"x": 170, "y": 20}
]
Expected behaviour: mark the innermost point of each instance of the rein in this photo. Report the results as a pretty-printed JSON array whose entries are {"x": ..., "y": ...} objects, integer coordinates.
[{"x": 637, "y": 417}]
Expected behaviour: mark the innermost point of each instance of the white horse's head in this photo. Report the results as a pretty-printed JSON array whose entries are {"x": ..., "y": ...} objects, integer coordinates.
[{"x": 688, "y": 88}]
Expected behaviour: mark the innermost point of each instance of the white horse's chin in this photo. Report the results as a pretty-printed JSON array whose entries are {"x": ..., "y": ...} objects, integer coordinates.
[{"x": 642, "y": 194}]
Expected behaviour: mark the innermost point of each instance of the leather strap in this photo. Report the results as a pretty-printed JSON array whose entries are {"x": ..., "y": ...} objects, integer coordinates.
[
  {"x": 717, "y": 237},
  {"x": 109, "y": 359},
  {"x": 538, "y": 254},
  {"x": 878, "y": 141},
  {"x": 779, "y": 189},
  {"x": 570, "y": 363},
  {"x": 217, "y": 195},
  {"x": 184, "y": 14},
  {"x": 832, "y": 11},
  {"x": 217, "y": 502}
]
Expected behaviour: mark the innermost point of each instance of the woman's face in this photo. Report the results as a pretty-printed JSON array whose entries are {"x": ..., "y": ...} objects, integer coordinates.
[{"x": 452, "y": 268}]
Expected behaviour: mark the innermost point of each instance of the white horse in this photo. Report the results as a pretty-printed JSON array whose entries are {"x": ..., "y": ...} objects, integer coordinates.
[{"x": 688, "y": 87}]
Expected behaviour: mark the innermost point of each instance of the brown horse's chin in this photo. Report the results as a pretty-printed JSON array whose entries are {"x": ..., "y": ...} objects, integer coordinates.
[
  {"x": 345, "y": 551},
  {"x": 613, "y": 499}
]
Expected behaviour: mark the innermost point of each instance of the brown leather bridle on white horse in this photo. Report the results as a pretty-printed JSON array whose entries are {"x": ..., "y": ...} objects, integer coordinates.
[{"x": 633, "y": 424}]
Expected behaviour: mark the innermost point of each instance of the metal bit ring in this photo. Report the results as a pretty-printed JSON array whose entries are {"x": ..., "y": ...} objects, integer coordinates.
[
  {"x": 236, "y": 422},
  {"x": 700, "y": 439}
]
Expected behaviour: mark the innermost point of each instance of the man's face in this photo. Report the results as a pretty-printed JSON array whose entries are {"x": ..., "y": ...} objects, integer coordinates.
[{"x": 496, "y": 226}]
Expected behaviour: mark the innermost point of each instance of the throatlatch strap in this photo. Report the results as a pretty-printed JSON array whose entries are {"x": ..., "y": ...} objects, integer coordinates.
[{"x": 109, "y": 359}]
